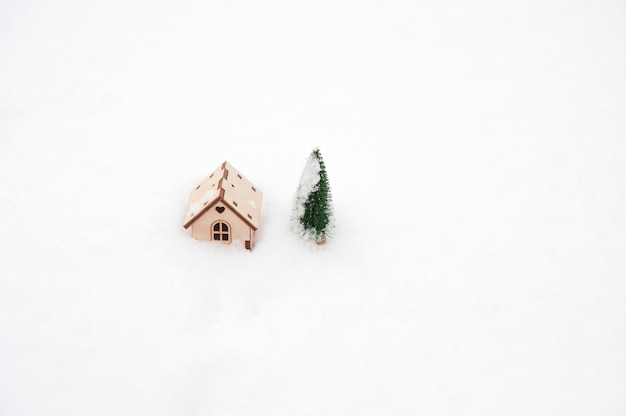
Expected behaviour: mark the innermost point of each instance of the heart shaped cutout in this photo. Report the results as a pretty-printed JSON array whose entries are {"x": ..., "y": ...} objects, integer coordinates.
[{"x": 220, "y": 209}]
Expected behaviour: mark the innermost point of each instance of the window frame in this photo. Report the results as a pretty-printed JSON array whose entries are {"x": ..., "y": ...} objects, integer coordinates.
[{"x": 223, "y": 230}]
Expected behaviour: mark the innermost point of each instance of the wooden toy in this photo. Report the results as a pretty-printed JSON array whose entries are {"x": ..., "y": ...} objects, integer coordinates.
[{"x": 224, "y": 207}]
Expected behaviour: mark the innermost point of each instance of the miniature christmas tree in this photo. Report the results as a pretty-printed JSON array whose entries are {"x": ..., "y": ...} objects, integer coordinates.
[{"x": 312, "y": 216}]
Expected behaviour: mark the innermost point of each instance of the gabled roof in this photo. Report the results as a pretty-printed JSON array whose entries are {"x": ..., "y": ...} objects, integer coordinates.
[{"x": 228, "y": 187}]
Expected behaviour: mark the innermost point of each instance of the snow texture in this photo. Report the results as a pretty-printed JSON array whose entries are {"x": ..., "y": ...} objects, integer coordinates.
[
  {"x": 309, "y": 181},
  {"x": 476, "y": 152},
  {"x": 193, "y": 209},
  {"x": 209, "y": 196}
]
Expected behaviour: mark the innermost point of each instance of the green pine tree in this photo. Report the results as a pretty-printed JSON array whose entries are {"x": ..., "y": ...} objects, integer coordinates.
[{"x": 313, "y": 206}]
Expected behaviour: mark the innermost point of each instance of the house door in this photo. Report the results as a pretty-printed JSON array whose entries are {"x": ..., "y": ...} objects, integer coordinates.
[{"x": 221, "y": 231}]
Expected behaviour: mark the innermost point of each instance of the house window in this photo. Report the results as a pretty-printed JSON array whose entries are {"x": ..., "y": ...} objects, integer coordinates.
[{"x": 221, "y": 231}]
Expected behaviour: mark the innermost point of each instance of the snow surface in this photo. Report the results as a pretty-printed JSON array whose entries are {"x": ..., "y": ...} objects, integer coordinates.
[{"x": 485, "y": 276}]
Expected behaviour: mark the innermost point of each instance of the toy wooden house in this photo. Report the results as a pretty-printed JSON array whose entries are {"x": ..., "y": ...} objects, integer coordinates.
[{"x": 224, "y": 207}]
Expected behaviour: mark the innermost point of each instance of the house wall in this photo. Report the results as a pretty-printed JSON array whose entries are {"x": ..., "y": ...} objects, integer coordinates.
[{"x": 201, "y": 229}]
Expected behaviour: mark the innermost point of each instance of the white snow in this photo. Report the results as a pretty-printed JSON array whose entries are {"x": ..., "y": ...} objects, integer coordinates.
[
  {"x": 193, "y": 209},
  {"x": 208, "y": 196},
  {"x": 485, "y": 277}
]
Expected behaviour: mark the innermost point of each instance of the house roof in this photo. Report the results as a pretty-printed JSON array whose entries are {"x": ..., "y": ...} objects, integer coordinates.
[{"x": 228, "y": 187}]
